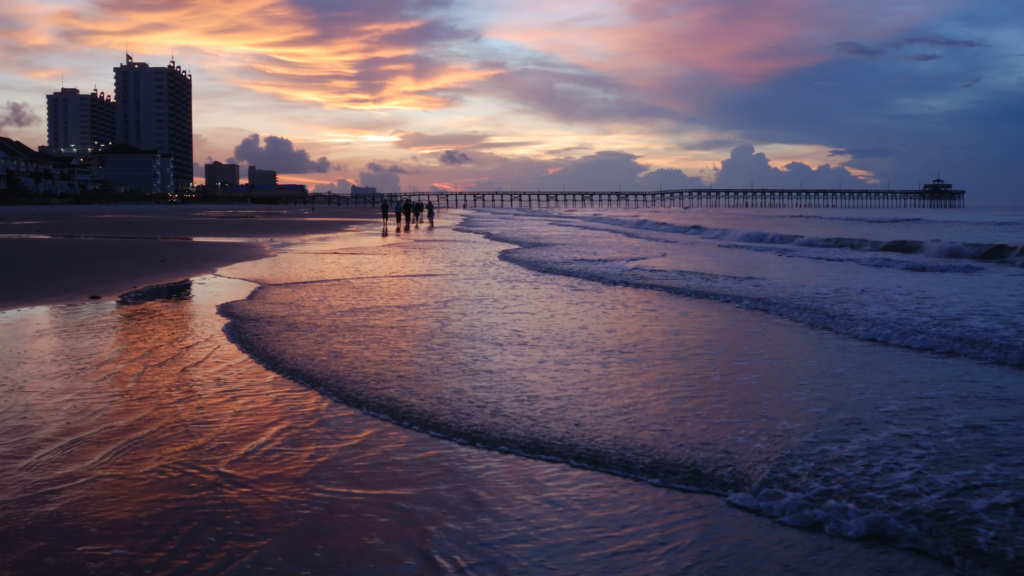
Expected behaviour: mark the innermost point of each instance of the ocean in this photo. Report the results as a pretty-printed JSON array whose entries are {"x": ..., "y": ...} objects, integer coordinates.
[{"x": 589, "y": 391}]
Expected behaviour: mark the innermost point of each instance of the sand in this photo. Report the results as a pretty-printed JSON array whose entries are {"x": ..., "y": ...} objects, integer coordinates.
[{"x": 69, "y": 254}]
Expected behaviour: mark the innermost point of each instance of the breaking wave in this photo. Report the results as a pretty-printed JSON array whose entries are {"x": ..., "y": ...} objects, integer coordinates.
[{"x": 930, "y": 248}]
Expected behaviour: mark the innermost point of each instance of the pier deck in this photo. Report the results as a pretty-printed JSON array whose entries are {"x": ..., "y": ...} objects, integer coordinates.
[{"x": 690, "y": 198}]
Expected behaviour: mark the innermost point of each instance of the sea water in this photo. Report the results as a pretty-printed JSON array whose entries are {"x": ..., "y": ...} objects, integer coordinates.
[
  {"x": 664, "y": 428},
  {"x": 853, "y": 372}
]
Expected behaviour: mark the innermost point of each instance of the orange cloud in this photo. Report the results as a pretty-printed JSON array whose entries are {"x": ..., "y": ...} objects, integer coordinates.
[{"x": 364, "y": 61}]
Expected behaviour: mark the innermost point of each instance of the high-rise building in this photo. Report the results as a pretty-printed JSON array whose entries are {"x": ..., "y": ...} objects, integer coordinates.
[
  {"x": 78, "y": 123},
  {"x": 218, "y": 174},
  {"x": 154, "y": 112},
  {"x": 262, "y": 177}
]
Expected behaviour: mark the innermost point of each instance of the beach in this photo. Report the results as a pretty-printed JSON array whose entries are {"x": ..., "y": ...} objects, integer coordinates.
[
  {"x": 70, "y": 253},
  {"x": 514, "y": 392}
]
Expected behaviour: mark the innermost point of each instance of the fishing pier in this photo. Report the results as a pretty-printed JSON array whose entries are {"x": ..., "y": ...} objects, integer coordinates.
[{"x": 688, "y": 198}]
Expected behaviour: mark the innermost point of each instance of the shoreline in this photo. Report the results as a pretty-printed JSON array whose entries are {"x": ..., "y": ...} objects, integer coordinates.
[{"x": 82, "y": 253}]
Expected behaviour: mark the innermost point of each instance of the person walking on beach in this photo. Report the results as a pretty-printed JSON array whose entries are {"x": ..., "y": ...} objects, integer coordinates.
[
  {"x": 384, "y": 211},
  {"x": 407, "y": 209},
  {"x": 430, "y": 213},
  {"x": 417, "y": 210},
  {"x": 398, "y": 215}
]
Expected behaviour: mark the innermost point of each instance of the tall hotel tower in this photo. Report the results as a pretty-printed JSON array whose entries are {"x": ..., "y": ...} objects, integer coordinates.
[
  {"x": 154, "y": 112},
  {"x": 78, "y": 123}
]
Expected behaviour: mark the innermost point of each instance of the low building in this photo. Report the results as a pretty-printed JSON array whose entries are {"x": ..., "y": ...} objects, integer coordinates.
[
  {"x": 262, "y": 177},
  {"x": 35, "y": 172},
  {"x": 362, "y": 190},
  {"x": 221, "y": 175},
  {"x": 124, "y": 164}
]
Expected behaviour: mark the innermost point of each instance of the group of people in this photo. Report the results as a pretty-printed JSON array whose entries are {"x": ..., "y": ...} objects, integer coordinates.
[{"x": 413, "y": 213}]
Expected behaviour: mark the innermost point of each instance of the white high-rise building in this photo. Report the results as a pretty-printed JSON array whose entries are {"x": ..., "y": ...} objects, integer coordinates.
[
  {"x": 78, "y": 123},
  {"x": 154, "y": 112}
]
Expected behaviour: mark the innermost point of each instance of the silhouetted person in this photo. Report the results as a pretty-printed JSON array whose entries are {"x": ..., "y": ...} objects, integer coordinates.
[
  {"x": 430, "y": 213},
  {"x": 384, "y": 211},
  {"x": 398, "y": 215},
  {"x": 407, "y": 210},
  {"x": 417, "y": 210}
]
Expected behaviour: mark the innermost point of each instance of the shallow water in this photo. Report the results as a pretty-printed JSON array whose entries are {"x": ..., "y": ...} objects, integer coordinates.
[
  {"x": 520, "y": 350},
  {"x": 135, "y": 438}
]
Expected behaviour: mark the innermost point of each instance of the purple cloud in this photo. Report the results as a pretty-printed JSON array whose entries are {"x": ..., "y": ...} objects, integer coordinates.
[
  {"x": 17, "y": 114},
  {"x": 859, "y": 50},
  {"x": 940, "y": 40},
  {"x": 278, "y": 154},
  {"x": 454, "y": 158}
]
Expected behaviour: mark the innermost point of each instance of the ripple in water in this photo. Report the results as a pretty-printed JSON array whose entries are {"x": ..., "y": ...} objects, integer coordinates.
[
  {"x": 136, "y": 438},
  {"x": 817, "y": 430}
]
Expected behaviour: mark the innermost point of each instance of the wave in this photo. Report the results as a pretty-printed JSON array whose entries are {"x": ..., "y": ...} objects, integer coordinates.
[
  {"x": 873, "y": 261},
  {"x": 931, "y": 248},
  {"x": 537, "y": 372},
  {"x": 898, "y": 220},
  {"x": 903, "y": 321}
]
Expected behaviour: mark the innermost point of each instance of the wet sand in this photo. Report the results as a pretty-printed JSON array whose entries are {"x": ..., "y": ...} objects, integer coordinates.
[
  {"x": 135, "y": 438},
  {"x": 69, "y": 254}
]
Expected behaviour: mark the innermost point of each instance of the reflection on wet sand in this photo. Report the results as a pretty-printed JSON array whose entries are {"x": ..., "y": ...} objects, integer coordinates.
[{"x": 135, "y": 438}]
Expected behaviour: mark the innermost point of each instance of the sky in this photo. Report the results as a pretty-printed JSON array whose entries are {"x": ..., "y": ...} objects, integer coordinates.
[{"x": 596, "y": 95}]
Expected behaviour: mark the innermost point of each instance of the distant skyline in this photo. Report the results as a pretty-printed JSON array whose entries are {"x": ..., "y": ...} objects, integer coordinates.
[{"x": 537, "y": 95}]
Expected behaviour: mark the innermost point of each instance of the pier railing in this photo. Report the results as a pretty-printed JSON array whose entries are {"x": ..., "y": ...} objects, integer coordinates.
[{"x": 689, "y": 198}]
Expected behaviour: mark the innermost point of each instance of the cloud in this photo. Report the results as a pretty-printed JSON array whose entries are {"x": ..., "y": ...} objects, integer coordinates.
[
  {"x": 972, "y": 82},
  {"x": 940, "y": 40},
  {"x": 861, "y": 153},
  {"x": 921, "y": 57},
  {"x": 570, "y": 95},
  {"x": 376, "y": 168},
  {"x": 609, "y": 171},
  {"x": 17, "y": 115},
  {"x": 385, "y": 183},
  {"x": 858, "y": 49},
  {"x": 454, "y": 158},
  {"x": 745, "y": 169},
  {"x": 421, "y": 141},
  {"x": 278, "y": 154},
  {"x": 342, "y": 186},
  {"x": 382, "y": 177}
]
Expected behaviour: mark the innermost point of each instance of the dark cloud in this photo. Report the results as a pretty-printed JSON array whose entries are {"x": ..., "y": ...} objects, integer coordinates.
[
  {"x": 17, "y": 115},
  {"x": 972, "y": 82},
  {"x": 746, "y": 169},
  {"x": 198, "y": 170},
  {"x": 278, "y": 154},
  {"x": 858, "y": 49},
  {"x": 421, "y": 141},
  {"x": 454, "y": 158},
  {"x": 921, "y": 57},
  {"x": 940, "y": 40},
  {"x": 376, "y": 168},
  {"x": 861, "y": 153}
]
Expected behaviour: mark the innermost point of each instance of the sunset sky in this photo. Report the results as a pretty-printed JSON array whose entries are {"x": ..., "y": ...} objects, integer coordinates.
[{"x": 538, "y": 95}]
